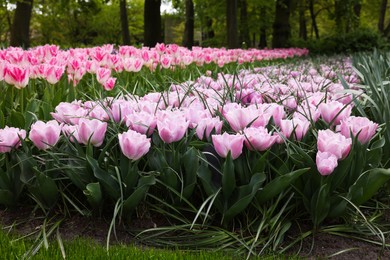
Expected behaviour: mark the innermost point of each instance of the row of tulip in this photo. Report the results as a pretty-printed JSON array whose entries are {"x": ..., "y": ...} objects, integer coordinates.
[
  {"x": 50, "y": 63},
  {"x": 296, "y": 124}
]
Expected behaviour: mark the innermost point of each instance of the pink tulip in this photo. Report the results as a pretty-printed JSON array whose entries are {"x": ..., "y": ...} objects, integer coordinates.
[
  {"x": 109, "y": 84},
  {"x": 53, "y": 74},
  {"x": 133, "y": 145},
  {"x": 102, "y": 75},
  {"x": 172, "y": 126},
  {"x": 361, "y": 127},
  {"x": 334, "y": 143},
  {"x": 91, "y": 131},
  {"x": 71, "y": 131},
  {"x": 296, "y": 125},
  {"x": 226, "y": 143},
  {"x": 16, "y": 76},
  {"x": 334, "y": 111},
  {"x": 240, "y": 118},
  {"x": 326, "y": 162},
  {"x": 10, "y": 138},
  {"x": 69, "y": 113},
  {"x": 206, "y": 125},
  {"x": 141, "y": 122},
  {"x": 258, "y": 138},
  {"x": 45, "y": 135}
]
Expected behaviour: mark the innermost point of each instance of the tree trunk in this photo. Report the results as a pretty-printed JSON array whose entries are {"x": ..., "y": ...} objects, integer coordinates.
[
  {"x": 231, "y": 22},
  {"x": 152, "y": 23},
  {"x": 20, "y": 32},
  {"x": 357, "y": 7},
  {"x": 281, "y": 26},
  {"x": 244, "y": 28},
  {"x": 313, "y": 19},
  {"x": 263, "y": 29},
  {"x": 302, "y": 20},
  {"x": 188, "y": 39},
  {"x": 382, "y": 15},
  {"x": 124, "y": 22}
]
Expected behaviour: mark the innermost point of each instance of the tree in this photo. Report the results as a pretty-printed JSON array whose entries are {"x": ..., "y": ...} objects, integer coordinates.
[
  {"x": 302, "y": 20},
  {"x": 124, "y": 22},
  {"x": 20, "y": 31},
  {"x": 244, "y": 25},
  {"x": 188, "y": 38},
  {"x": 231, "y": 24},
  {"x": 281, "y": 26},
  {"x": 152, "y": 23},
  {"x": 382, "y": 15},
  {"x": 313, "y": 19}
]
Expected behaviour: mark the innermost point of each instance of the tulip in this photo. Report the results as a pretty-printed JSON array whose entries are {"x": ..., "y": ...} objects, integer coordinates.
[
  {"x": 326, "y": 162},
  {"x": 10, "y": 138},
  {"x": 171, "y": 126},
  {"x": 16, "y": 76},
  {"x": 334, "y": 111},
  {"x": 361, "y": 127},
  {"x": 206, "y": 125},
  {"x": 141, "y": 122},
  {"x": 226, "y": 143},
  {"x": 133, "y": 145},
  {"x": 258, "y": 138},
  {"x": 296, "y": 125},
  {"x": 102, "y": 75},
  {"x": 69, "y": 113},
  {"x": 109, "y": 84},
  {"x": 91, "y": 131},
  {"x": 334, "y": 143},
  {"x": 53, "y": 74},
  {"x": 45, "y": 135}
]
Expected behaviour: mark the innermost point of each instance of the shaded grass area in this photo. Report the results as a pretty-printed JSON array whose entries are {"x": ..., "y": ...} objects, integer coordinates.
[{"x": 13, "y": 247}]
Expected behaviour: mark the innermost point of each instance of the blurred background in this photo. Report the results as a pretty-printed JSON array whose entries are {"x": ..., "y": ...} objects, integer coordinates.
[{"x": 324, "y": 26}]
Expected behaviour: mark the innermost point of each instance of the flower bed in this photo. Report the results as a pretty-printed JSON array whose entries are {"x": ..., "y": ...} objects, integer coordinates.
[{"x": 259, "y": 145}]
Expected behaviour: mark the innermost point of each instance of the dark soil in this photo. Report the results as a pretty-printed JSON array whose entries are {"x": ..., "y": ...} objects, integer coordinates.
[{"x": 319, "y": 246}]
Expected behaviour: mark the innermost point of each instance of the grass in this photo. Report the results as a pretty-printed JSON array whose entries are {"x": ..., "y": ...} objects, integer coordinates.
[{"x": 13, "y": 247}]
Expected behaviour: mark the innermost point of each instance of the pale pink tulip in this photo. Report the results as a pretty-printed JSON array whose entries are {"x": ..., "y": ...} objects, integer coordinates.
[
  {"x": 91, "y": 131},
  {"x": 53, "y": 74},
  {"x": 206, "y": 125},
  {"x": 361, "y": 127},
  {"x": 258, "y": 138},
  {"x": 133, "y": 144},
  {"x": 45, "y": 135},
  {"x": 298, "y": 126},
  {"x": 226, "y": 143},
  {"x": 172, "y": 126},
  {"x": 326, "y": 162},
  {"x": 334, "y": 143},
  {"x": 69, "y": 113},
  {"x": 141, "y": 122},
  {"x": 10, "y": 138},
  {"x": 334, "y": 111}
]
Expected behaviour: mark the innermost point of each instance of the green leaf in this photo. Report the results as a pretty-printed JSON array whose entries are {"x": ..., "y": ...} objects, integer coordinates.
[
  {"x": 44, "y": 189},
  {"x": 7, "y": 198},
  {"x": 378, "y": 144},
  {"x": 320, "y": 205},
  {"x": 245, "y": 195},
  {"x": 190, "y": 162},
  {"x": 278, "y": 185},
  {"x": 94, "y": 195},
  {"x": 109, "y": 183},
  {"x": 2, "y": 119},
  {"x": 205, "y": 176},
  {"x": 228, "y": 177},
  {"x": 16, "y": 119},
  {"x": 139, "y": 193},
  {"x": 367, "y": 185}
]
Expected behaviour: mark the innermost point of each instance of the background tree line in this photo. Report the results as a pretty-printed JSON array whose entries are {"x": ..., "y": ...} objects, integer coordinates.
[{"x": 232, "y": 23}]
